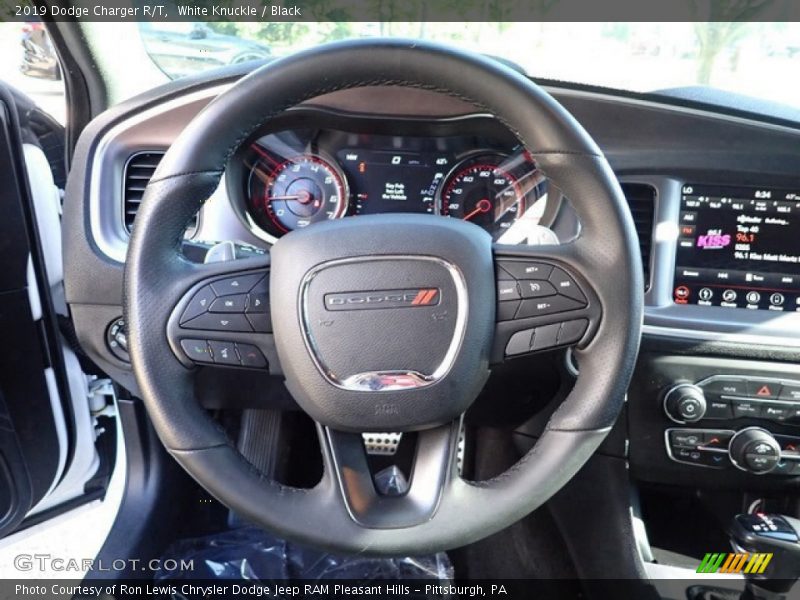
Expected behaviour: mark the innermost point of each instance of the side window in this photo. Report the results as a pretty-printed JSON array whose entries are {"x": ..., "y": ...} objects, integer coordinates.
[{"x": 31, "y": 66}]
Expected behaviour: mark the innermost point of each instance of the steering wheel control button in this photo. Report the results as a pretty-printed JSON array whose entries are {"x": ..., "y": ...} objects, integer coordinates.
[
  {"x": 520, "y": 342},
  {"x": 507, "y": 290},
  {"x": 236, "y": 285},
  {"x": 229, "y": 304},
  {"x": 525, "y": 269},
  {"x": 566, "y": 286},
  {"x": 251, "y": 356},
  {"x": 536, "y": 289},
  {"x": 572, "y": 331},
  {"x": 537, "y": 307},
  {"x": 260, "y": 322},
  {"x": 219, "y": 322},
  {"x": 199, "y": 304},
  {"x": 224, "y": 353},
  {"x": 506, "y": 311},
  {"x": 197, "y": 350},
  {"x": 257, "y": 302},
  {"x": 545, "y": 337}
]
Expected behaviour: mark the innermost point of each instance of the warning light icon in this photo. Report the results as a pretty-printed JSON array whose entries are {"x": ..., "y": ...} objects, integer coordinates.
[{"x": 764, "y": 391}]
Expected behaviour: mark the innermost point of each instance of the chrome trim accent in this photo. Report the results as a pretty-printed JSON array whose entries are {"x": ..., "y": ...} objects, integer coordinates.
[
  {"x": 675, "y": 388},
  {"x": 774, "y": 444},
  {"x": 370, "y": 381}
]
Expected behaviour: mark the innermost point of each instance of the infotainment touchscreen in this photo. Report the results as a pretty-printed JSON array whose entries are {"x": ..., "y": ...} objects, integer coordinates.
[{"x": 739, "y": 247}]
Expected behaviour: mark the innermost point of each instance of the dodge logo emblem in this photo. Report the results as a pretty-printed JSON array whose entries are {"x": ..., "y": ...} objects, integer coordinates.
[{"x": 383, "y": 299}]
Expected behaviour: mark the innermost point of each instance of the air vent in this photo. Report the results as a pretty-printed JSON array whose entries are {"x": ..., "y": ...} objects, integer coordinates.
[
  {"x": 138, "y": 171},
  {"x": 642, "y": 201}
]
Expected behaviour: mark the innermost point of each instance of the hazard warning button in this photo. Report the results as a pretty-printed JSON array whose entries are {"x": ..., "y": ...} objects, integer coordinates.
[{"x": 763, "y": 389}]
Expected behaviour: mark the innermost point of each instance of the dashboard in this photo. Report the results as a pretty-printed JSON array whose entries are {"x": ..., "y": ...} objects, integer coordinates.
[{"x": 291, "y": 178}]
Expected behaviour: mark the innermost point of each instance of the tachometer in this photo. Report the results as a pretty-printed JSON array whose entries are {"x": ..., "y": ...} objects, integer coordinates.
[{"x": 296, "y": 192}]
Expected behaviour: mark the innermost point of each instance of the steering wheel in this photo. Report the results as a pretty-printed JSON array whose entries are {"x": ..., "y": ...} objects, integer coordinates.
[{"x": 418, "y": 360}]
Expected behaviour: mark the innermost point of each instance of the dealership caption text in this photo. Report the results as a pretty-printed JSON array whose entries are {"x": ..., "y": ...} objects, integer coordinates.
[
  {"x": 259, "y": 590},
  {"x": 158, "y": 11}
]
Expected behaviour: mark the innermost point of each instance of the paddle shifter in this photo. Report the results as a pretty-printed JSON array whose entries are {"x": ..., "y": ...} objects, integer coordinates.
[{"x": 768, "y": 534}]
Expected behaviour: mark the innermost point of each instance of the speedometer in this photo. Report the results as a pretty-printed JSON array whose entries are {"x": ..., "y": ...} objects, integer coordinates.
[
  {"x": 495, "y": 192},
  {"x": 295, "y": 193}
]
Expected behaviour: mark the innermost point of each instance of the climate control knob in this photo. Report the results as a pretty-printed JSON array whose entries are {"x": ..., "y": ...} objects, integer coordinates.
[
  {"x": 685, "y": 403},
  {"x": 754, "y": 450}
]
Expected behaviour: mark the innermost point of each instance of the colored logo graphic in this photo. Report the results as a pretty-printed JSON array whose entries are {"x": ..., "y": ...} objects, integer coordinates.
[
  {"x": 728, "y": 562},
  {"x": 713, "y": 241}
]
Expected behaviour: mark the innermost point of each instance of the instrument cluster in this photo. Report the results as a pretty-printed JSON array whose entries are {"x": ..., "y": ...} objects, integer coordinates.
[{"x": 293, "y": 178}]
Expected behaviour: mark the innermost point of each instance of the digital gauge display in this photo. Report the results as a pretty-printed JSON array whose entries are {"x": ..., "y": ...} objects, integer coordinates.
[{"x": 738, "y": 248}]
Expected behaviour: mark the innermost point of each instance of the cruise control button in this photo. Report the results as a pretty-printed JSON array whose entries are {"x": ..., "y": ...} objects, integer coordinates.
[
  {"x": 519, "y": 343},
  {"x": 219, "y": 322},
  {"x": 507, "y": 310},
  {"x": 229, "y": 304},
  {"x": 726, "y": 387},
  {"x": 237, "y": 285},
  {"x": 566, "y": 286},
  {"x": 199, "y": 304},
  {"x": 743, "y": 408},
  {"x": 197, "y": 350},
  {"x": 572, "y": 331},
  {"x": 224, "y": 353},
  {"x": 535, "y": 307},
  {"x": 257, "y": 303},
  {"x": 775, "y": 412},
  {"x": 507, "y": 290},
  {"x": 526, "y": 270},
  {"x": 536, "y": 289},
  {"x": 251, "y": 356},
  {"x": 261, "y": 322},
  {"x": 789, "y": 392},
  {"x": 763, "y": 389},
  {"x": 546, "y": 337}
]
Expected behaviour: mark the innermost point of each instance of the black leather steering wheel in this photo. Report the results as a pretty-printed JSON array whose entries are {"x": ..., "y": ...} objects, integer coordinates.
[{"x": 417, "y": 363}]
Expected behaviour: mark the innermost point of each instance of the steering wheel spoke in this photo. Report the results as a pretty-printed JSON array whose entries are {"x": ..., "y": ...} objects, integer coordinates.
[
  {"x": 544, "y": 300},
  {"x": 432, "y": 472},
  {"x": 223, "y": 318}
]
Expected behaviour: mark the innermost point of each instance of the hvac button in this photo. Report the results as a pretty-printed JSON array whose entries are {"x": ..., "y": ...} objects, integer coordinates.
[
  {"x": 763, "y": 389},
  {"x": 197, "y": 350},
  {"x": 686, "y": 438}
]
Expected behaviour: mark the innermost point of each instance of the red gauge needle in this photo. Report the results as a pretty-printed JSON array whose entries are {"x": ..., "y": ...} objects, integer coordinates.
[
  {"x": 483, "y": 206},
  {"x": 303, "y": 197}
]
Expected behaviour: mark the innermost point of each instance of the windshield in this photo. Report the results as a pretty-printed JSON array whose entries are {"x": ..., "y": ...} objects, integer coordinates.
[{"x": 753, "y": 59}]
